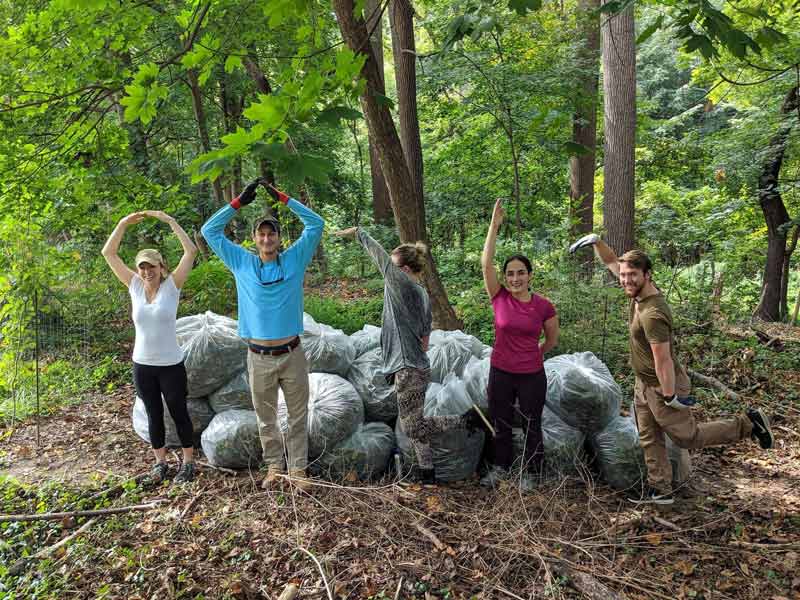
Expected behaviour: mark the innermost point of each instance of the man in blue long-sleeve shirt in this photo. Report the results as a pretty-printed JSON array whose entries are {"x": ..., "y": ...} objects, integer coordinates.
[{"x": 270, "y": 290}]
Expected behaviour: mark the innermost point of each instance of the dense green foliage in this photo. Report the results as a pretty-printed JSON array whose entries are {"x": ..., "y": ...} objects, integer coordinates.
[{"x": 97, "y": 120}]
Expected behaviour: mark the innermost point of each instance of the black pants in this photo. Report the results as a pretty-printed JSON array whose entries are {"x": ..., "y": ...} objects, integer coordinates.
[
  {"x": 530, "y": 390},
  {"x": 153, "y": 382}
]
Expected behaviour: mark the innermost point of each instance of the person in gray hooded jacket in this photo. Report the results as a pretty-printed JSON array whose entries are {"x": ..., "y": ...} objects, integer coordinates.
[{"x": 406, "y": 327}]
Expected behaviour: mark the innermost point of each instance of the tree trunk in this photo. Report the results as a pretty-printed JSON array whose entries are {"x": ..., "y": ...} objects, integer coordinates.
[
  {"x": 262, "y": 85},
  {"x": 619, "y": 88},
  {"x": 202, "y": 128},
  {"x": 381, "y": 207},
  {"x": 392, "y": 159},
  {"x": 775, "y": 215},
  {"x": 401, "y": 17},
  {"x": 584, "y": 131}
]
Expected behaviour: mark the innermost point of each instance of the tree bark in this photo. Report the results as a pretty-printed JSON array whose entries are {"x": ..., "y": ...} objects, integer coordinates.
[
  {"x": 401, "y": 17},
  {"x": 775, "y": 215},
  {"x": 584, "y": 131},
  {"x": 619, "y": 88},
  {"x": 392, "y": 159},
  {"x": 381, "y": 207},
  {"x": 202, "y": 128},
  {"x": 263, "y": 86}
]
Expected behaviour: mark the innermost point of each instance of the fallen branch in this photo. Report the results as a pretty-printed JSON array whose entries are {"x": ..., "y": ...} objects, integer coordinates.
[
  {"x": 221, "y": 469},
  {"x": 112, "y": 491},
  {"x": 79, "y": 513},
  {"x": 20, "y": 565},
  {"x": 768, "y": 340},
  {"x": 775, "y": 546},
  {"x": 189, "y": 506},
  {"x": 399, "y": 589},
  {"x": 587, "y": 585},
  {"x": 431, "y": 536},
  {"x": 321, "y": 572},
  {"x": 667, "y": 524},
  {"x": 715, "y": 383}
]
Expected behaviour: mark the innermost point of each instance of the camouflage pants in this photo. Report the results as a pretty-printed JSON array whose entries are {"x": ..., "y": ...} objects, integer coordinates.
[{"x": 410, "y": 386}]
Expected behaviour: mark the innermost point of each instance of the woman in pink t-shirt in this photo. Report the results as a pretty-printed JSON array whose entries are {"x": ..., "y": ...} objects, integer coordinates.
[{"x": 517, "y": 368}]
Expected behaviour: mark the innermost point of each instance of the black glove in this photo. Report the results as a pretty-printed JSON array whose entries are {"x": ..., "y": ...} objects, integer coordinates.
[
  {"x": 276, "y": 194},
  {"x": 247, "y": 196},
  {"x": 680, "y": 402}
]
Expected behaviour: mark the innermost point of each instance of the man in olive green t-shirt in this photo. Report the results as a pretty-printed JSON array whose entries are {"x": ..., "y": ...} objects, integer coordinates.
[{"x": 661, "y": 392}]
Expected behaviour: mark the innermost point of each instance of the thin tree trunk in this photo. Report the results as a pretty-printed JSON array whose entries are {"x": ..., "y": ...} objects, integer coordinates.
[
  {"x": 584, "y": 131},
  {"x": 775, "y": 214},
  {"x": 202, "y": 127},
  {"x": 619, "y": 87},
  {"x": 381, "y": 207},
  {"x": 392, "y": 159},
  {"x": 787, "y": 273},
  {"x": 263, "y": 86}
]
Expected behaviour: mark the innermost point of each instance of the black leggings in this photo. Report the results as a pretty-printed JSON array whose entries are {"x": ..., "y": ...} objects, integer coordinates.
[
  {"x": 153, "y": 382},
  {"x": 530, "y": 389}
]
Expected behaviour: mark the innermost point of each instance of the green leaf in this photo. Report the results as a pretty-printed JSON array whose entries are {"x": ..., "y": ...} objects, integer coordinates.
[
  {"x": 384, "y": 100},
  {"x": 702, "y": 44},
  {"x": 650, "y": 30},
  {"x": 270, "y": 111},
  {"x": 611, "y": 7},
  {"x": 575, "y": 149},
  {"x": 522, "y": 7},
  {"x": 332, "y": 115},
  {"x": 767, "y": 37},
  {"x": 232, "y": 63},
  {"x": 270, "y": 150}
]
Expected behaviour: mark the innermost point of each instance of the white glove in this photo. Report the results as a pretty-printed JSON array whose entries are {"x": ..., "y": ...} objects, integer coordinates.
[{"x": 586, "y": 240}]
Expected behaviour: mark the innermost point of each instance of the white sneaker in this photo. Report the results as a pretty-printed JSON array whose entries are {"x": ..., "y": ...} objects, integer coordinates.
[{"x": 494, "y": 476}]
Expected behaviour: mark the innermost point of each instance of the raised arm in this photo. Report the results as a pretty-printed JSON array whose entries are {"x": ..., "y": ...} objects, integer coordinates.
[
  {"x": 487, "y": 256},
  {"x": 602, "y": 250},
  {"x": 213, "y": 230},
  {"x": 110, "y": 250},
  {"x": 313, "y": 224},
  {"x": 375, "y": 251},
  {"x": 181, "y": 272}
]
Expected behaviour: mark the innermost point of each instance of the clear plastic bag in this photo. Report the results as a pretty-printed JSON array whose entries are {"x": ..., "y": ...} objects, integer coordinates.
[
  {"x": 456, "y": 453},
  {"x": 213, "y": 351},
  {"x": 365, "y": 455},
  {"x": 619, "y": 455},
  {"x": 581, "y": 391},
  {"x": 233, "y": 395},
  {"x": 200, "y": 414},
  {"x": 563, "y": 445},
  {"x": 449, "y": 355},
  {"x": 335, "y": 411},
  {"x": 476, "y": 379},
  {"x": 365, "y": 339},
  {"x": 443, "y": 336},
  {"x": 327, "y": 350},
  {"x": 231, "y": 440},
  {"x": 367, "y": 376}
]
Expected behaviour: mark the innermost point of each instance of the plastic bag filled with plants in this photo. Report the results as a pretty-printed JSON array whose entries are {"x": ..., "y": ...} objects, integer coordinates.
[
  {"x": 363, "y": 456},
  {"x": 367, "y": 376},
  {"x": 449, "y": 355},
  {"x": 231, "y": 440},
  {"x": 335, "y": 411},
  {"x": 619, "y": 456},
  {"x": 456, "y": 452},
  {"x": 442, "y": 336},
  {"x": 328, "y": 350},
  {"x": 199, "y": 412},
  {"x": 476, "y": 380},
  {"x": 213, "y": 351},
  {"x": 581, "y": 391},
  {"x": 367, "y": 338},
  {"x": 235, "y": 394},
  {"x": 563, "y": 445}
]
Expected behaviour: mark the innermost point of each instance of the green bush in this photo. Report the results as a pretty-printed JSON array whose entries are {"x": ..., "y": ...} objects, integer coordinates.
[{"x": 348, "y": 316}]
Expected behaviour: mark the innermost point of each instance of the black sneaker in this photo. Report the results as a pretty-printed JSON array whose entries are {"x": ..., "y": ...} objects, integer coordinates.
[
  {"x": 653, "y": 496},
  {"x": 761, "y": 429},
  {"x": 477, "y": 421},
  {"x": 185, "y": 473},
  {"x": 158, "y": 473}
]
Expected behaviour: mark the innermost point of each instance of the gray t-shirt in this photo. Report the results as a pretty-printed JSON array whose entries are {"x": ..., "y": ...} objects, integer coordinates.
[{"x": 406, "y": 312}]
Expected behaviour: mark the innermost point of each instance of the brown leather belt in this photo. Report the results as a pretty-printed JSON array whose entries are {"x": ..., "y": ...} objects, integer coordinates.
[{"x": 275, "y": 350}]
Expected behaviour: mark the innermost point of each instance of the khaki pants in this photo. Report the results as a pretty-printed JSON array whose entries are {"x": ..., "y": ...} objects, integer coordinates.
[
  {"x": 654, "y": 419},
  {"x": 289, "y": 372}
]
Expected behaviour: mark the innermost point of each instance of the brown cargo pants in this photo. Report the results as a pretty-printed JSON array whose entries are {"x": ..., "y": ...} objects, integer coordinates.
[{"x": 654, "y": 419}]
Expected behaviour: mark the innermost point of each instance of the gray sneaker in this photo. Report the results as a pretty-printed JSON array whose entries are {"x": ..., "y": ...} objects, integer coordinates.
[
  {"x": 158, "y": 473},
  {"x": 494, "y": 476},
  {"x": 185, "y": 473}
]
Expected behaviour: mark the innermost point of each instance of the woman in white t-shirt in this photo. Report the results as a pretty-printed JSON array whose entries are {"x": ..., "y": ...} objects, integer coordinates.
[{"x": 158, "y": 369}]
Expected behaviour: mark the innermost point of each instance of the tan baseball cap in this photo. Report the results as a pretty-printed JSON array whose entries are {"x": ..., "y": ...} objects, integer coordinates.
[{"x": 150, "y": 256}]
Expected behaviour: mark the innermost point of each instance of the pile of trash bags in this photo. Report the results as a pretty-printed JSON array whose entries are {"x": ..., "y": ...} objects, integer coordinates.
[{"x": 353, "y": 428}]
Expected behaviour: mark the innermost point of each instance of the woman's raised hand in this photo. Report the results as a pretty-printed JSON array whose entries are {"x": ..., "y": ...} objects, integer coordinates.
[
  {"x": 133, "y": 218},
  {"x": 498, "y": 214},
  {"x": 349, "y": 232},
  {"x": 160, "y": 215}
]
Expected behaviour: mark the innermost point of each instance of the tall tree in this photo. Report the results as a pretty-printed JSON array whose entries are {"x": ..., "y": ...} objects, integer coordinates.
[
  {"x": 381, "y": 206},
  {"x": 619, "y": 89},
  {"x": 773, "y": 304},
  {"x": 392, "y": 159},
  {"x": 584, "y": 127}
]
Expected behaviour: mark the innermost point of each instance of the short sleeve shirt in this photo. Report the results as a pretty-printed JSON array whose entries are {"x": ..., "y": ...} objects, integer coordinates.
[
  {"x": 518, "y": 328},
  {"x": 651, "y": 323},
  {"x": 156, "y": 342}
]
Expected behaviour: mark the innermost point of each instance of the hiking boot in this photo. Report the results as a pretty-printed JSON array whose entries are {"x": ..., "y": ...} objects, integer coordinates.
[
  {"x": 652, "y": 495},
  {"x": 185, "y": 473},
  {"x": 299, "y": 480},
  {"x": 476, "y": 420},
  {"x": 761, "y": 429},
  {"x": 274, "y": 477},
  {"x": 494, "y": 476},
  {"x": 158, "y": 473}
]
